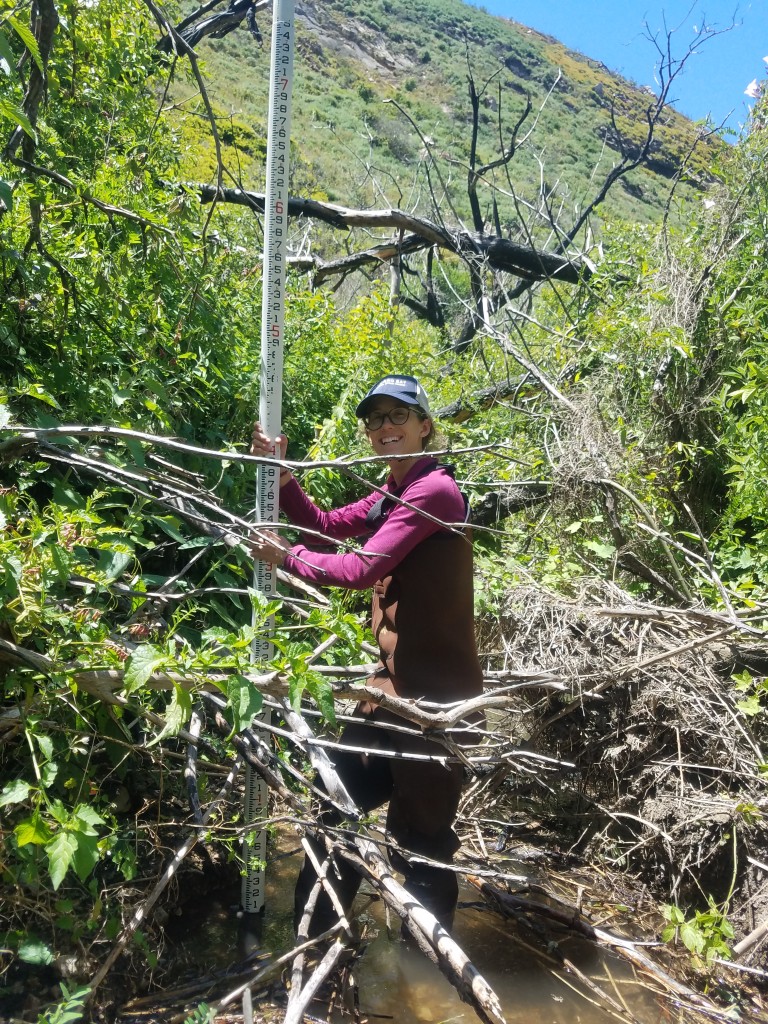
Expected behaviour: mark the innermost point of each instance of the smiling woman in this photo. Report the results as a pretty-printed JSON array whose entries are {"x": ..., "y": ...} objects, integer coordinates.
[
  {"x": 417, "y": 557},
  {"x": 398, "y": 421}
]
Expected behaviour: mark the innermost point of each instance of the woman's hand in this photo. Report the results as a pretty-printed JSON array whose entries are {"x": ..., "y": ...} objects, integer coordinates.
[
  {"x": 269, "y": 546},
  {"x": 267, "y": 448}
]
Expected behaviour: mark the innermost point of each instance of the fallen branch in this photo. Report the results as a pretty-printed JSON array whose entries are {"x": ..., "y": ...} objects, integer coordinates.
[
  {"x": 431, "y": 937},
  {"x": 143, "y": 911},
  {"x": 511, "y": 905},
  {"x": 498, "y": 253}
]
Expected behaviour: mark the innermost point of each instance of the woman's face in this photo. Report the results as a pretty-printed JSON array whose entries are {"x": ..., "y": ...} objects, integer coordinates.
[{"x": 397, "y": 439}]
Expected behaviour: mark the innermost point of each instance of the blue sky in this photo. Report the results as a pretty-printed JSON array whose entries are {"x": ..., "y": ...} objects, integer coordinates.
[{"x": 612, "y": 31}]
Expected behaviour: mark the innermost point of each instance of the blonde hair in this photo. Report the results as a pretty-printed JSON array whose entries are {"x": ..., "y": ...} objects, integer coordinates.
[{"x": 435, "y": 441}]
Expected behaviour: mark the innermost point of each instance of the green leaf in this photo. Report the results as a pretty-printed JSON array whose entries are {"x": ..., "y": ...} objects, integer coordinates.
[
  {"x": 45, "y": 743},
  {"x": 223, "y": 612},
  {"x": 13, "y": 112},
  {"x": 262, "y": 608},
  {"x": 62, "y": 560},
  {"x": 156, "y": 387},
  {"x": 59, "y": 812},
  {"x": 673, "y": 914},
  {"x": 37, "y": 391},
  {"x": 61, "y": 852},
  {"x": 170, "y": 525},
  {"x": 136, "y": 449},
  {"x": 751, "y": 706},
  {"x": 14, "y": 793},
  {"x": 202, "y": 1015},
  {"x": 13, "y": 569},
  {"x": 25, "y": 35},
  {"x": 743, "y": 394},
  {"x": 245, "y": 701},
  {"x": 87, "y": 819},
  {"x": 70, "y": 1009},
  {"x": 48, "y": 774},
  {"x": 141, "y": 664},
  {"x": 32, "y": 830},
  {"x": 322, "y": 693},
  {"x": 141, "y": 941},
  {"x": 601, "y": 550},
  {"x": 216, "y": 635},
  {"x": 296, "y": 686},
  {"x": 692, "y": 937},
  {"x": 6, "y": 53},
  {"x": 176, "y": 714},
  {"x": 6, "y": 196},
  {"x": 114, "y": 563},
  {"x": 743, "y": 680},
  {"x": 33, "y": 951},
  {"x": 86, "y": 855},
  {"x": 120, "y": 396},
  {"x": 347, "y": 628},
  {"x": 124, "y": 858}
]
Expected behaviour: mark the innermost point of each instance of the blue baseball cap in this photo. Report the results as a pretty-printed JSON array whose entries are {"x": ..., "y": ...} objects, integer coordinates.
[{"x": 399, "y": 386}]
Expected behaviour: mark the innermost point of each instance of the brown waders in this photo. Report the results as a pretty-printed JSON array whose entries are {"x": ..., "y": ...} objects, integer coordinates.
[
  {"x": 423, "y": 621},
  {"x": 423, "y": 798}
]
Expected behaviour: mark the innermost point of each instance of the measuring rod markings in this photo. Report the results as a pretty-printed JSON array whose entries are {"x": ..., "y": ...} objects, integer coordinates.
[{"x": 270, "y": 398}]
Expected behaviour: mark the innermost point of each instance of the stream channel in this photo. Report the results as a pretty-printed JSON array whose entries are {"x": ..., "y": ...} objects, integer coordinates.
[{"x": 395, "y": 982}]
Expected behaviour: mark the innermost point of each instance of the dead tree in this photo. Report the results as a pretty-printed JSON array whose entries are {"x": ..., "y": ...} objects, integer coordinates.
[{"x": 201, "y": 23}]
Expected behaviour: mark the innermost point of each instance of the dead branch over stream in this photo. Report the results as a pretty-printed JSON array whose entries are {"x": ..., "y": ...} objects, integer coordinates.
[{"x": 661, "y": 796}]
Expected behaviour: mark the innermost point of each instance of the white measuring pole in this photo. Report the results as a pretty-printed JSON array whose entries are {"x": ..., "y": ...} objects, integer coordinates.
[{"x": 271, "y": 393}]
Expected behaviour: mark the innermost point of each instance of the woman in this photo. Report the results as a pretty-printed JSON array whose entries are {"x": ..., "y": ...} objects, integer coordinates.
[{"x": 422, "y": 618}]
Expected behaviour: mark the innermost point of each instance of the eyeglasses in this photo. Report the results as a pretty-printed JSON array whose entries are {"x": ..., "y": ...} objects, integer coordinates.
[{"x": 396, "y": 417}]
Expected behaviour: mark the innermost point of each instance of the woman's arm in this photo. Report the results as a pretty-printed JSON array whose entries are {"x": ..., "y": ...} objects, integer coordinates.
[
  {"x": 339, "y": 524},
  {"x": 404, "y": 528},
  {"x": 349, "y": 521}
]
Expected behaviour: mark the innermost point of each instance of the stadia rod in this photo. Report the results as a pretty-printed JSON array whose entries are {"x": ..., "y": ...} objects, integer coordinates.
[{"x": 270, "y": 398}]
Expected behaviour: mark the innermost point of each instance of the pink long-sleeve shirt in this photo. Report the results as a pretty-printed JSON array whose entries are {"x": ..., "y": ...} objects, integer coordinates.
[
  {"x": 420, "y": 573},
  {"x": 427, "y": 486}
]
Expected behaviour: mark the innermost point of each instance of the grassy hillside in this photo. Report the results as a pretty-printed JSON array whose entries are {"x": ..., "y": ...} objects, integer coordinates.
[{"x": 369, "y": 73}]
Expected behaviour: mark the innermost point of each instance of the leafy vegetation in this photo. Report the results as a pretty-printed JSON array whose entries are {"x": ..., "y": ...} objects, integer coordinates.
[{"x": 706, "y": 934}]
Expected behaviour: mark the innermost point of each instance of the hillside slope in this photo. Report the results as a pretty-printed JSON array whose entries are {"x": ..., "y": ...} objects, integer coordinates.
[{"x": 380, "y": 85}]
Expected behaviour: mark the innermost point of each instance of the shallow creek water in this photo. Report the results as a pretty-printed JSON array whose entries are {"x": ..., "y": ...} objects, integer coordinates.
[{"x": 397, "y": 983}]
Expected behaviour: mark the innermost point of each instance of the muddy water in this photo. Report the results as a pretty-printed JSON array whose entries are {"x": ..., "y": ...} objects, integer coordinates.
[{"x": 397, "y": 983}]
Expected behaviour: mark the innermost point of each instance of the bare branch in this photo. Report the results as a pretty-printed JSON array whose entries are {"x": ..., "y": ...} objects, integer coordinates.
[
  {"x": 191, "y": 30},
  {"x": 499, "y": 253}
]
